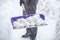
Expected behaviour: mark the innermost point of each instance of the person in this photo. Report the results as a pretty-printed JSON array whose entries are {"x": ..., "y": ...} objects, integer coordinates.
[{"x": 30, "y": 8}]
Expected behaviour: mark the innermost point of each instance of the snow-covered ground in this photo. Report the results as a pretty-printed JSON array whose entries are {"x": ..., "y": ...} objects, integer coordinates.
[
  {"x": 11, "y": 8},
  {"x": 44, "y": 32}
]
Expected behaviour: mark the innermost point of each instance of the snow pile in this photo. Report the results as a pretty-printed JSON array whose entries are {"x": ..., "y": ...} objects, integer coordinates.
[
  {"x": 31, "y": 21},
  {"x": 8, "y": 9}
]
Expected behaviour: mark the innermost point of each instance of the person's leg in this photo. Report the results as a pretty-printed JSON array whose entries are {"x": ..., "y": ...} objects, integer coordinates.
[
  {"x": 28, "y": 33},
  {"x": 31, "y": 9},
  {"x": 32, "y": 38},
  {"x": 33, "y": 33}
]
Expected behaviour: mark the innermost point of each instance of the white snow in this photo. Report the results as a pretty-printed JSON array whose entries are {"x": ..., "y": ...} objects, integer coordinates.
[
  {"x": 11, "y": 8},
  {"x": 29, "y": 22}
]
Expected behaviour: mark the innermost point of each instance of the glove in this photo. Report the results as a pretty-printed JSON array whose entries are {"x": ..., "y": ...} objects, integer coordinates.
[{"x": 21, "y": 2}]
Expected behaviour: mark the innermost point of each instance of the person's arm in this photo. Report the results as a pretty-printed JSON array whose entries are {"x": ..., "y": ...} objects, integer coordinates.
[{"x": 21, "y": 2}]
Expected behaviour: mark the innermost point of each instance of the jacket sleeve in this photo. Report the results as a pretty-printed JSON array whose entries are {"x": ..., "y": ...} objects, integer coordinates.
[{"x": 21, "y": 2}]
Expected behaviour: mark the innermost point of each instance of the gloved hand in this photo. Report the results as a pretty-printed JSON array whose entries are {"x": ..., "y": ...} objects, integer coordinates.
[{"x": 21, "y": 2}]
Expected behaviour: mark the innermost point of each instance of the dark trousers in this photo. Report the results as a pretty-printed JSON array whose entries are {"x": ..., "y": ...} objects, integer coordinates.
[{"x": 30, "y": 8}]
